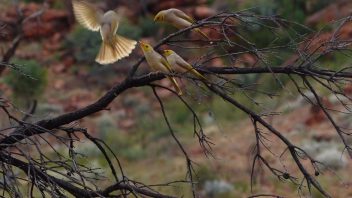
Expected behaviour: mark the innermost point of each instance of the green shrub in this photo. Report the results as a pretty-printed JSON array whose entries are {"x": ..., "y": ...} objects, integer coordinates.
[
  {"x": 204, "y": 173},
  {"x": 106, "y": 126},
  {"x": 59, "y": 5},
  {"x": 126, "y": 145},
  {"x": 28, "y": 83},
  {"x": 133, "y": 152},
  {"x": 146, "y": 27},
  {"x": 129, "y": 30},
  {"x": 255, "y": 30},
  {"x": 210, "y": 2},
  {"x": 178, "y": 112},
  {"x": 84, "y": 43},
  {"x": 292, "y": 10},
  {"x": 150, "y": 129},
  {"x": 335, "y": 60}
]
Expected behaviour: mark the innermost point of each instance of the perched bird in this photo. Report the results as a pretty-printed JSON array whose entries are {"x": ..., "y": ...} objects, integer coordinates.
[
  {"x": 158, "y": 63},
  {"x": 177, "y": 18},
  {"x": 179, "y": 65},
  {"x": 113, "y": 47}
]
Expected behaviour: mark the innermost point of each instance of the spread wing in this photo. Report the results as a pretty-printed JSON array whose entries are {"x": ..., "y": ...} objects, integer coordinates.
[
  {"x": 86, "y": 15},
  {"x": 183, "y": 15}
]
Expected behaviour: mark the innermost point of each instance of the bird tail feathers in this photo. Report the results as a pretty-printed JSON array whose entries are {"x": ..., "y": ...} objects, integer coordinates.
[
  {"x": 197, "y": 74},
  {"x": 176, "y": 86},
  {"x": 115, "y": 49}
]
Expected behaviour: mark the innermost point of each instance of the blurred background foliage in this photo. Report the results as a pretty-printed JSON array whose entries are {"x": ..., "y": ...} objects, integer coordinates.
[
  {"x": 28, "y": 82},
  {"x": 85, "y": 44}
]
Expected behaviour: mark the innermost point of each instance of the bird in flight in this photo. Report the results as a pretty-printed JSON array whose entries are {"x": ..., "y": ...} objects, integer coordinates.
[{"x": 114, "y": 47}]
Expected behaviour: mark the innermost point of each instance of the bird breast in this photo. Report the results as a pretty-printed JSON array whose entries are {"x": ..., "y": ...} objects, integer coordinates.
[
  {"x": 153, "y": 59},
  {"x": 150, "y": 59}
]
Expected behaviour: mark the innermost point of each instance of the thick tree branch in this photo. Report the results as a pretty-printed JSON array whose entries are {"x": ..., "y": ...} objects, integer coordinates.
[{"x": 48, "y": 124}]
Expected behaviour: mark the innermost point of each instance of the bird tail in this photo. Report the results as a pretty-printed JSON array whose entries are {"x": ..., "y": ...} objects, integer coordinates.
[
  {"x": 201, "y": 33},
  {"x": 114, "y": 50},
  {"x": 196, "y": 73},
  {"x": 176, "y": 86}
]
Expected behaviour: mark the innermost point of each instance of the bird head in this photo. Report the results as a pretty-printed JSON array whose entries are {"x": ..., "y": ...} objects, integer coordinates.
[
  {"x": 167, "y": 53},
  {"x": 159, "y": 17},
  {"x": 145, "y": 46}
]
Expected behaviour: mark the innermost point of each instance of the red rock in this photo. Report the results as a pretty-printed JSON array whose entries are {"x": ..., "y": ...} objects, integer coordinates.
[
  {"x": 59, "y": 84},
  {"x": 203, "y": 12},
  {"x": 68, "y": 61},
  {"x": 315, "y": 42},
  {"x": 346, "y": 31},
  {"x": 217, "y": 62},
  {"x": 291, "y": 60},
  {"x": 348, "y": 89},
  {"x": 331, "y": 13},
  {"x": 248, "y": 60},
  {"x": 327, "y": 104},
  {"x": 56, "y": 38},
  {"x": 197, "y": 152},
  {"x": 323, "y": 136},
  {"x": 317, "y": 114},
  {"x": 52, "y": 15},
  {"x": 44, "y": 25},
  {"x": 58, "y": 68}
]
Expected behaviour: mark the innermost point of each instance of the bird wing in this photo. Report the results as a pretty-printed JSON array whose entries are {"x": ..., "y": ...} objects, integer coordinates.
[
  {"x": 87, "y": 15},
  {"x": 182, "y": 63},
  {"x": 114, "y": 27},
  {"x": 166, "y": 64},
  {"x": 184, "y": 16},
  {"x": 172, "y": 79},
  {"x": 188, "y": 67}
]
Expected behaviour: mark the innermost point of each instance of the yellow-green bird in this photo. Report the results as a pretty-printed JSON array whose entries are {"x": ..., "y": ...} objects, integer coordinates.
[
  {"x": 177, "y": 18},
  {"x": 113, "y": 47},
  {"x": 158, "y": 63},
  {"x": 178, "y": 64}
]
